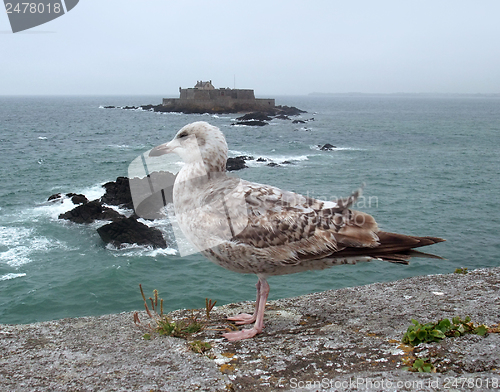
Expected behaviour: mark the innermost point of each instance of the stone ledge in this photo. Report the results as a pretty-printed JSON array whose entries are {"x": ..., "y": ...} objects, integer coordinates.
[{"x": 348, "y": 339}]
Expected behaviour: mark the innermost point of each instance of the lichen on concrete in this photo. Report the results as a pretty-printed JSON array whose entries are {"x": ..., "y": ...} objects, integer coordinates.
[{"x": 345, "y": 340}]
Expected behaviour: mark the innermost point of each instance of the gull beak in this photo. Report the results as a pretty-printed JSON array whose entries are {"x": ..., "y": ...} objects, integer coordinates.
[{"x": 162, "y": 149}]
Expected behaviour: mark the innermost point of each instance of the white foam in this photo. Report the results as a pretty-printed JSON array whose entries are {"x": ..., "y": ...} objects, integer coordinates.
[
  {"x": 11, "y": 276},
  {"x": 135, "y": 250},
  {"x": 42, "y": 138},
  {"x": 22, "y": 245},
  {"x": 54, "y": 208}
]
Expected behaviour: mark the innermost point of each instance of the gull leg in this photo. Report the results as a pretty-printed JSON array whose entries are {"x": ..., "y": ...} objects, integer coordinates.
[
  {"x": 263, "y": 291},
  {"x": 245, "y": 318}
]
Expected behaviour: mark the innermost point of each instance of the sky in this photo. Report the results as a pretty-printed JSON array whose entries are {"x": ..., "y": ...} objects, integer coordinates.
[{"x": 153, "y": 47}]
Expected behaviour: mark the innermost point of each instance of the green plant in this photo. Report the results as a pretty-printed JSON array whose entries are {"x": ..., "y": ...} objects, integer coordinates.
[
  {"x": 433, "y": 332},
  {"x": 163, "y": 325},
  {"x": 461, "y": 271},
  {"x": 429, "y": 332},
  {"x": 419, "y": 365}
]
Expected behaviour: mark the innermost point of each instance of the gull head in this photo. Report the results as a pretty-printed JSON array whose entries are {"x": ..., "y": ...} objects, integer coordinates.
[{"x": 195, "y": 143}]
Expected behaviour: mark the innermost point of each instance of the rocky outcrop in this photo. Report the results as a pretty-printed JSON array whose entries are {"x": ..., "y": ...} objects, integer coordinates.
[
  {"x": 236, "y": 163},
  {"x": 130, "y": 231},
  {"x": 327, "y": 147},
  {"x": 118, "y": 193},
  {"x": 90, "y": 212},
  {"x": 277, "y": 111}
]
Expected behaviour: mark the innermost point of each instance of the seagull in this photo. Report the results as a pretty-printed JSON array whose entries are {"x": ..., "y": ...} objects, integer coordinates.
[{"x": 260, "y": 229}]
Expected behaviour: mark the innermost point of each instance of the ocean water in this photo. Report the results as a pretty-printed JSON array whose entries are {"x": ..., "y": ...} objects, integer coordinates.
[{"x": 431, "y": 165}]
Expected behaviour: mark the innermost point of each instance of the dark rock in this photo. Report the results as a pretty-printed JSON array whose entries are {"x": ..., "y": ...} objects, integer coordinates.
[
  {"x": 129, "y": 107},
  {"x": 55, "y": 196},
  {"x": 130, "y": 231},
  {"x": 236, "y": 163},
  {"x": 287, "y": 163},
  {"x": 288, "y": 110},
  {"x": 254, "y": 116},
  {"x": 282, "y": 117},
  {"x": 260, "y": 159},
  {"x": 272, "y": 164},
  {"x": 327, "y": 147},
  {"x": 298, "y": 122},
  {"x": 109, "y": 107},
  {"x": 118, "y": 193},
  {"x": 77, "y": 198},
  {"x": 90, "y": 212},
  {"x": 252, "y": 123}
]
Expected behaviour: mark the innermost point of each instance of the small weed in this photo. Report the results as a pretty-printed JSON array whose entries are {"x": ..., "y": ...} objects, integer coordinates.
[
  {"x": 461, "y": 271},
  {"x": 209, "y": 305},
  {"x": 200, "y": 347},
  {"x": 164, "y": 325},
  {"x": 433, "y": 332}
]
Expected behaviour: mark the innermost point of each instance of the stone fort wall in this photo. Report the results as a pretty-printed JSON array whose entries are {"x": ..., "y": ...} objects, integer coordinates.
[{"x": 217, "y": 99}]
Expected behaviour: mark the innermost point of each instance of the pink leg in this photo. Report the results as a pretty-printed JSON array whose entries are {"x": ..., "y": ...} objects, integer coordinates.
[
  {"x": 263, "y": 293},
  {"x": 245, "y": 318}
]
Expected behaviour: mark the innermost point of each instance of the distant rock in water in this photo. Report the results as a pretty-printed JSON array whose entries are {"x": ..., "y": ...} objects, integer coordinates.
[
  {"x": 236, "y": 163},
  {"x": 327, "y": 147},
  {"x": 75, "y": 198},
  {"x": 130, "y": 231},
  {"x": 298, "y": 122},
  {"x": 90, "y": 212},
  {"x": 252, "y": 123},
  {"x": 254, "y": 116},
  {"x": 118, "y": 193}
]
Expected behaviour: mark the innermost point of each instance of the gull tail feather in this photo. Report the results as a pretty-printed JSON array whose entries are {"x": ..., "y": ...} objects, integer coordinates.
[{"x": 395, "y": 248}]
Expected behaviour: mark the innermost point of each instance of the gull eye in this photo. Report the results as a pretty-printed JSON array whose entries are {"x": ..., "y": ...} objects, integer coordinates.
[{"x": 183, "y": 135}]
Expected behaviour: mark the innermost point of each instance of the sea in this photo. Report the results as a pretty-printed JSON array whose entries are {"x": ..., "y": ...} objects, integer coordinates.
[{"x": 430, "y": 165}]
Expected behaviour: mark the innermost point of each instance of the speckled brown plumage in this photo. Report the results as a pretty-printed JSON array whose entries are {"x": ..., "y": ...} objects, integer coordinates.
[{"x": 255, "y": 228}]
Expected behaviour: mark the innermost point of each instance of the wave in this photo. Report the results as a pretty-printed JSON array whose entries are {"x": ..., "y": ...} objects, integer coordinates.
[
  {"x": 265, "y": 159},
  {"x": 53, "y": 208},
  {"x": 11, "y": 276},
  {"x": 22, "y": 244},
  {"x": 135, "y": 250}
]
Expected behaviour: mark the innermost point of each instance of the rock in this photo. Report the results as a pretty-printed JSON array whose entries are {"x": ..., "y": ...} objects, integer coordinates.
[
  {"x": 130, "y": 231},
  {"x": 251, "y": 123},
  {"x": 272, "y": 164},
  {"x": 327, "y": 147},
  {"x": 287, "y": 163},
  {"x": 55, "y": 196},
  {"x": 288, "y": 110},
  {"x": 298, "y": 122},
  {"x": 129, "y": 107},
  {"x": 77, "y": 198},
  {"x": 260, "y": 159},
  {"x": 118, "y": 193},
  {"x": 109, "y": 107},
  {"x": 254, "y": 116},
  {"x": 90, "y": 212},
  {"x": 282, "y": 117},
  {"x": 236, "y": 163}
]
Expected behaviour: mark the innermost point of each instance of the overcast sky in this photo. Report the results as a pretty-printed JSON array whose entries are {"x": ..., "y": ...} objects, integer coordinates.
[{"x": 275, "y": 47}]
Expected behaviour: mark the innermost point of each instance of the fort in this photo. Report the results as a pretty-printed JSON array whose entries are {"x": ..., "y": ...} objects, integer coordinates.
[{"x": 204, "y": 97}]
